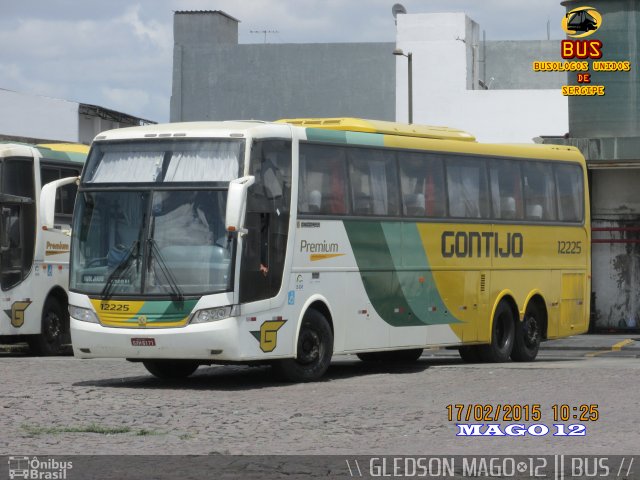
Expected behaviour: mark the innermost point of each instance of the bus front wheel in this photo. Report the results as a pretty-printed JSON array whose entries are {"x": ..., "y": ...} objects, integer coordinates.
[
  {"x": 314, "y": 351},
  {"x": 170, "y": 369},
  {"x": 53, "y": 330},
  {"x": 502, "y": 336},
  {"x": 528, "y": 335}
]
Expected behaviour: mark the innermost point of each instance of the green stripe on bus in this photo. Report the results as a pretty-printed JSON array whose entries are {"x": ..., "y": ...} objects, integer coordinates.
[
  {"x": 395, "y": 291},
  {"x": 414, "y": 273},
  {"x": 351, "y": 138},
  {"x": 329, "y": 136},
  {"x": 371, "y": 139},
  {"x": 166, "y": 310}
]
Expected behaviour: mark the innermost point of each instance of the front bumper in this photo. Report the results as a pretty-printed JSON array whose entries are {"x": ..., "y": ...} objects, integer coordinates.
[{"x": 208, "y": 341}]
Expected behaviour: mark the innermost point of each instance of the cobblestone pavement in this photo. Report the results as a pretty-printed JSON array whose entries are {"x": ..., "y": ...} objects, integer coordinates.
[{"x": 69, "y": 406}]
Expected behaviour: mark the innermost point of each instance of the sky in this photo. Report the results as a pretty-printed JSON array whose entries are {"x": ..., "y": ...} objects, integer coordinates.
[{"x": 118, "y": 54}]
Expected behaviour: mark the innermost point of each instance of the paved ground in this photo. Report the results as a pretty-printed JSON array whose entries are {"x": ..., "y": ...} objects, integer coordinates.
[{"x": 69, "y": 406}]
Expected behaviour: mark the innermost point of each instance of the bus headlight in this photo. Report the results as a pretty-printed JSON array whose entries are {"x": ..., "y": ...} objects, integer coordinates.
[
  {"x": 83, "y": 314},
  {"x": 214, "y": 314}
]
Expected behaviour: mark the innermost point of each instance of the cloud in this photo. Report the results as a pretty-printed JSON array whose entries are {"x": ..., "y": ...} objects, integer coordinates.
[
  {"x": 110, "y": 53},
  {"x": 153, "y": 31}
]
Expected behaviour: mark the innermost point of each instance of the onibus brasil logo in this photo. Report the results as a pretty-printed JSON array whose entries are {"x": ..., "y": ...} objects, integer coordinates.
[{"x": 35, "y": 468}]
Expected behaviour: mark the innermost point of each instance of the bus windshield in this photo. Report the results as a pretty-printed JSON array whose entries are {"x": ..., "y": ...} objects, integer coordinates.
[
  {"x": 166, "y": 238},
  {"x": 168, "y": 161},
  {"x": 163, "y": 242}
]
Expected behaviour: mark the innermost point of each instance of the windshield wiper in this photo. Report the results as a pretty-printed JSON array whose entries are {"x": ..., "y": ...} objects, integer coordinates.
[
  {"x": 122, "y": 267},
  {"x": 175, "y": 292}
]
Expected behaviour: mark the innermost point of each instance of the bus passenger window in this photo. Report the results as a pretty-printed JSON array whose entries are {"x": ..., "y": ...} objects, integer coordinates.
[
  {"x": 539, "y": 191},
  {"x": 373, "y": 182},
  {"x": 570, "y": 193},
  {"x": 467, "y": 184},
  {"x": 506, "y": 190},
  {"x": 422, "y": 185},
  {"x": 322, "y": 180},
  {"x": 68, "y": 192}
]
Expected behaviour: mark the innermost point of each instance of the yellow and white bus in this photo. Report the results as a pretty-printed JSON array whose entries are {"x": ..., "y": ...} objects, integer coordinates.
[
  {"x": 34, "y": 262},
  {"x": 288, "y": 242}
]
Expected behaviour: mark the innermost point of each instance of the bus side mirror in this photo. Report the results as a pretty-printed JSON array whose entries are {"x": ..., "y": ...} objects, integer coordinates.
[
  {"x": 237, "y": 204},
  {"x": 48, "y": 200}
]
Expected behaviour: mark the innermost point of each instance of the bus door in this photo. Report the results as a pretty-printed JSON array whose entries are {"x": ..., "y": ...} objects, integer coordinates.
[
  {"x": 267, "y": 221},
  {"x": 17, "y": 218}
]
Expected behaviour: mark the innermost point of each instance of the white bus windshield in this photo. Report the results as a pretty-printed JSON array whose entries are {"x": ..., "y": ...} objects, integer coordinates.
[
  {"x": 166, "y": 243},
  {"x": 167, "y": 161}
]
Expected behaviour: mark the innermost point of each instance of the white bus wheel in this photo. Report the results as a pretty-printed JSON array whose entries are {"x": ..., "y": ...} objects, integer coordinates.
[
  {"x": 52, "y": 330},
  {"x": 528, "y": 335},
  {"x": 502, "y": 336},
  {"x": 314, "y": 351}
]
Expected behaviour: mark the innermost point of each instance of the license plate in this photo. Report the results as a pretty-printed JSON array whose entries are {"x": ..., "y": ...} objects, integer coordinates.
[{"x": 143, "y": 342}]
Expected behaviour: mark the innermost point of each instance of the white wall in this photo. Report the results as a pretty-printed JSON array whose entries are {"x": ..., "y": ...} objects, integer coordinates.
[
  {"x": 445, "y": 50},
  {"x": 31, "y": 116}
]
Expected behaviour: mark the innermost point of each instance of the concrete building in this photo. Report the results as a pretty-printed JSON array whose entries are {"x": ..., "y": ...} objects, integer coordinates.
[
  {"x": 607, "y": 130},
  {"x": 215, "y": 78},
  {"x": 462, "y": 82},
  {"x": 459, "y": 80},
  {"x": 37, "y": 119}
]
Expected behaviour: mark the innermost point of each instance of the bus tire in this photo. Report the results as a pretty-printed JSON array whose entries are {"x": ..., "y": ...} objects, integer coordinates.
[
  {"x": 314, "y": 351},
  {"x": 53, "y": 328},
  {"x": 502, "y": 336},
  {"x": 171, "y": 369},
  {"x": 470, "y": 353},
  {"x": 396, "y": 356},
  {"x": 528, "y": 335}
]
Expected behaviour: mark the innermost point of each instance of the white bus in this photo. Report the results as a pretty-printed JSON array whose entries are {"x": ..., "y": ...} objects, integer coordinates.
[
  {"x": 203, "y": 243},
  {"x": 34, "y": 261}
]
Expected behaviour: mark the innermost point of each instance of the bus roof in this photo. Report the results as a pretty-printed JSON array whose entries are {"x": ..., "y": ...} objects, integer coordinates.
[
  {"x": 422, "y": 137},
  {"x": 228, "y": 128},
  {"x": 73, "y": 152},
  {"x": 380, "y": 126},
  {"x": 351, "y": 131},
  {"x": 65, "y": 152}
]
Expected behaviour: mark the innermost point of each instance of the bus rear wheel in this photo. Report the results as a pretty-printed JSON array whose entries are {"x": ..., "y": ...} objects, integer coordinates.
[
  {"x": 528, "y": 335},
  {"x": 502, "y": 336},
  {"x": 171, "y": 369},
  {"x": 314, "y": 351},
  {"x": 53, "y": 330}
]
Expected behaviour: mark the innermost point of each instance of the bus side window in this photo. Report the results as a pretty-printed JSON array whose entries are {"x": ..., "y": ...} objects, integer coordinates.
[
  {"x": 422, "y": 185},
  {"x": 322, "y": 180},
  {"x": 570, "y": 193},
  {"x": 374, "y": 182},
  {"x": 467, "y": 188},
  {"x": 65, "y": 196},
  {"x": 68, "y": 192},
  {"x": 506, "y": 189},
  {"x": 539, "y": 191}
]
